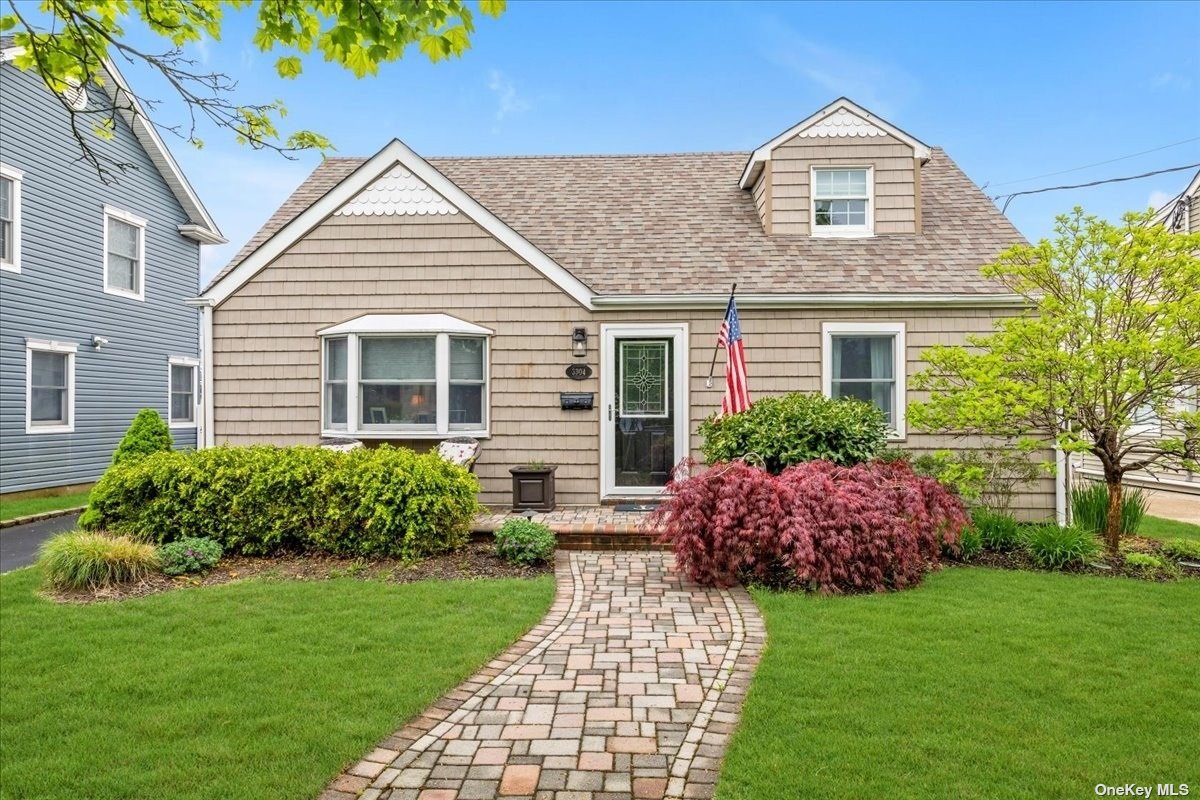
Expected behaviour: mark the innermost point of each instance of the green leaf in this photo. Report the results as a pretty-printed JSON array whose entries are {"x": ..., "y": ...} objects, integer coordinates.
[{"x": 288, "y": 67}]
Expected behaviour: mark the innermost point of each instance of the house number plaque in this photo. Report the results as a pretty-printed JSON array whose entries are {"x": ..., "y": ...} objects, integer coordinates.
[{"x": 579, "y": 372}]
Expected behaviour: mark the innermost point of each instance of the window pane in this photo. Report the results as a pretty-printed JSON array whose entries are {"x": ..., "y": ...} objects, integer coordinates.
[
  {"x": 48, "y": 370},
  {"x": 644, "y": 379},
  {"x": 823, "y": 182},
  {"x": 181, "y": 378},
  {"x": 399, "y": 404},
  {"x": 466, "y": 405},
  {"x": 123, "y": 238},
  {"x": 408, "y": 358},
  {"x": 335, "y": 359},
  {"x": 122, "y": 273},
  {"x": 335, "y": 404},
  {"x": 6, "y": 240},
  {"x": 181, "y": 407},
  {"x": 48, "y": 405},
  {"x": 862, "y": 357},
  {"x": 6, "y": 195},
  {"x": 466, "y": 359},
  {"x": 880, "y": 393}
]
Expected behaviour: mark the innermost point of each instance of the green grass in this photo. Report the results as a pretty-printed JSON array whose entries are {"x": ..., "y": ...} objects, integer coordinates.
[
  {"x": 979, "y": 684},
  {"x": 11, "y": 509},
  {"x": 1159, "y": 528},
  {"x": 248, "y": 690}
]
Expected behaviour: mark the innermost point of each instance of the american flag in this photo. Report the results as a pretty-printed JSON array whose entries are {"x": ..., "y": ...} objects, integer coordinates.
[{"x": 737, "y": 395}]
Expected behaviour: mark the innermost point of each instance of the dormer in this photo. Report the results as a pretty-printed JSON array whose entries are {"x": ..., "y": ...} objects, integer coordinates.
[{"x": 841, "y": 173}]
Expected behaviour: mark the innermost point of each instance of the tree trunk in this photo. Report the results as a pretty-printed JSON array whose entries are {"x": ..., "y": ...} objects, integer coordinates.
[{"x": 1112, "y": 524}]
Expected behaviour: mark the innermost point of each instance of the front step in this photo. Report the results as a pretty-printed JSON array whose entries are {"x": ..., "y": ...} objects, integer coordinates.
[{"x": 620, "y": 532}]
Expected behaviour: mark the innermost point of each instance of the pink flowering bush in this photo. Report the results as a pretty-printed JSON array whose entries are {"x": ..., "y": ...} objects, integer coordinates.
[{"x": 818, "y": 526}]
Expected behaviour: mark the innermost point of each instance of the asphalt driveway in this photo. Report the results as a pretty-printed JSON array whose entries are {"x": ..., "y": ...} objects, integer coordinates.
[{"x": 19, "y": 544}]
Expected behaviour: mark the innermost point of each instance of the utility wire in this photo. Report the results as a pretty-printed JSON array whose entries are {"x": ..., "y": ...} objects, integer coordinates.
[
  {"x": 1009, "y": 197},
  {"x": 1089, "y": 166}
]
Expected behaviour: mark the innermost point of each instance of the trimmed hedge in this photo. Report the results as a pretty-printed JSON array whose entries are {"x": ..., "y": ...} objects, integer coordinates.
[
  {"x": 795, "y": 428},
  {"x": 383, "y": 501}
]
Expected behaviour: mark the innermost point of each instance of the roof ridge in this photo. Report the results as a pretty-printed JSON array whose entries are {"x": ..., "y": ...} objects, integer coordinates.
[{"x": 592, "y": 155}]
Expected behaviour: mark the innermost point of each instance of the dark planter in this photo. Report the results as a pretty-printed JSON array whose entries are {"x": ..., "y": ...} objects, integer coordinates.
[{"x": 533, "y": 488}]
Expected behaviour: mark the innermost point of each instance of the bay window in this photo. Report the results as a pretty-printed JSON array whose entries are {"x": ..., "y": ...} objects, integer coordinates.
[
  {"x": 405, "y": 376},
  {"x": 865, "y": 360}
]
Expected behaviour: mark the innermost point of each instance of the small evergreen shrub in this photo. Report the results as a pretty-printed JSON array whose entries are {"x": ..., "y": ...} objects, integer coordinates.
[
  {"x": 148, "y": 433},
  {"x": 83, "y": 560},
  {"x": 1089, "y": 508},
  {"x": 370, "y": 502},
  {"x": 819, "y": 526},
  {"x": 1054, "y": 547},
  {"x": 997, "y": 531},
  {"x": 1182, "y": 549},
  {"x": 795, "y": 428},
  {"x": 523, "y": 541},
  {"x": 191, "y": 554}
]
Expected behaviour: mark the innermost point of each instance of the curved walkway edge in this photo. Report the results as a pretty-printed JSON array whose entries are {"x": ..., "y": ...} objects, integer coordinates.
[{"x": 630, "y": 687}]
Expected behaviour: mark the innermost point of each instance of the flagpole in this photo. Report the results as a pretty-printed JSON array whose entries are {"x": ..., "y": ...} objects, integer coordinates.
[{"x": 713, "y": 365}]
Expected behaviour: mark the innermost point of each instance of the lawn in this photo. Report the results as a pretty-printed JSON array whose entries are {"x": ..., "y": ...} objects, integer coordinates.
[
  {"x": 248, "y": 690},
  {"x": 11, "y": 509},
  {"x": 1159, "y": 528},
  {"x": 979, "y": 684}
]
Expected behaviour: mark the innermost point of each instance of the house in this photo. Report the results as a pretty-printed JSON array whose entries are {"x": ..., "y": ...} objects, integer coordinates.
[
  {"x": 565, "y": 309},
  {"x": 93, "y": 282}
]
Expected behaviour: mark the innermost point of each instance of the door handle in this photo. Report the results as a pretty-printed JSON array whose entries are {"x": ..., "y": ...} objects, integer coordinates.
[{"x": 610, "y": 412}]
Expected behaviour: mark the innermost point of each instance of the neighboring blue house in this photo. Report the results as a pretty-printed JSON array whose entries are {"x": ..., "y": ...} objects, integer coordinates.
[{"x": 93, "y": 283}]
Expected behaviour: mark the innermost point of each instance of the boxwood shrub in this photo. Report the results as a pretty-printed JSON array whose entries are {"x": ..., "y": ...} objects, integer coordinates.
[
  {"x": 383, "y": 501},
  {"x": 794, "y": 428}
]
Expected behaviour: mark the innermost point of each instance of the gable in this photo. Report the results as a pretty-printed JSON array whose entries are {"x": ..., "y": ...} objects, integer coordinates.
[{"x": 397, "y": 192}]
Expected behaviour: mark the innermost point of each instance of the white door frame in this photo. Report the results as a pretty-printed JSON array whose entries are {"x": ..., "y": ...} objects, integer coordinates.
[{"x": 678, "y": 333}]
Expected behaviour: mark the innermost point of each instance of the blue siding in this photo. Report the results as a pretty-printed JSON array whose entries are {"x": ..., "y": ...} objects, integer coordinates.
[{"x": 59, "y": 292}]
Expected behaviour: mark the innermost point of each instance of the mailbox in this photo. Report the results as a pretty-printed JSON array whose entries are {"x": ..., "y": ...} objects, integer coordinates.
[{"x": 576, "y": 401}]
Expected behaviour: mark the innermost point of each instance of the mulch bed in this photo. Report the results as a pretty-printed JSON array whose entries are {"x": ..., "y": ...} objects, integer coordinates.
[
  {"x": 1102, "y": 564},
  {"x": 475, "y": 561}
]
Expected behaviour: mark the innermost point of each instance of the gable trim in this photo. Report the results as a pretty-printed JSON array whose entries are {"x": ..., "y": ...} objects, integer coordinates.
[
  {"x": 763, "y": 154},
  {"x": 396, "y": 152}
]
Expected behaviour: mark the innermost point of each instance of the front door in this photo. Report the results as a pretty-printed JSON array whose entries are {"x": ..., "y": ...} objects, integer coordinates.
[{"x": 644, "y": 407}]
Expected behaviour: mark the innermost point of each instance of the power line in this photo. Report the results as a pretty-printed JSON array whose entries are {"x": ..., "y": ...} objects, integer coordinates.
[
  {"x": 1009, "y": 197},
  {"x": 1097, "y": 164}
]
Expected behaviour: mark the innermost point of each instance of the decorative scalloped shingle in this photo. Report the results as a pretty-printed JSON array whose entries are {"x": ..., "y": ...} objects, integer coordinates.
[
  {"x": 842, "y": 123},
  {"x": 397, "y": 192}
]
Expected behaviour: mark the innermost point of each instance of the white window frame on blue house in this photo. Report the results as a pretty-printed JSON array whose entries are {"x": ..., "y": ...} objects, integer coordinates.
[
  {"x": 15, "y": 176},
  {"x": 59, "y": 348},
  {"x": 140, "y": 223}
]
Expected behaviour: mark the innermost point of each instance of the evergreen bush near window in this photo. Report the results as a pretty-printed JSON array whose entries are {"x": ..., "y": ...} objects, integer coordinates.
[
  {"x": 82, "y": 560},
  {"x": 1089, "y": 508},
  {"x": 523, "y": 541},
  {"x": 383, "y": 501},
  {"x": 1052, "y": 547},
  {"x": 147, "y": 434},
  {"x": 997, "y": 531},
  {"x": 795, "y": 428},
  {"x": 191, "y": 554}
]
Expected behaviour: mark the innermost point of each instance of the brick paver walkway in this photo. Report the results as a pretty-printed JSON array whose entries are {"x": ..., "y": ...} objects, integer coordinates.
[{"x": 629, "y": 688}]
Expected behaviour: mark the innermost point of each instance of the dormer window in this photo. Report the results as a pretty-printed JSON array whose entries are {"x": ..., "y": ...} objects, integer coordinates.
[{"x": 842, "y": 201}]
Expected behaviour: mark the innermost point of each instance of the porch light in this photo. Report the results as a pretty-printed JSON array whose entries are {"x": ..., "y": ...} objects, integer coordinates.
[{"x": 579, "y": 342}]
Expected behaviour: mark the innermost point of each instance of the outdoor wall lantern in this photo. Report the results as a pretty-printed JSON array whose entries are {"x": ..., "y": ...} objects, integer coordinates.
[{"x": 579, "y": 342}]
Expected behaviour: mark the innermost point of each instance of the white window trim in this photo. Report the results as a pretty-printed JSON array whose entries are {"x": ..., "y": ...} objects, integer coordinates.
[
  {"x": 16, "y": 176},
  {"x": 194, "y": 363},
  {"x": 43, "y": 346},
  {"x": 138, "y": 222},
  {"x": 896, "y": 329},
  {"x": 355, "y": 428},
  {"x": 841, "y": 231}
]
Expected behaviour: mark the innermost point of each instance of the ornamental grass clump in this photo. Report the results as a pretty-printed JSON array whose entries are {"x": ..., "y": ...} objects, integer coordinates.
[
  {"x": 82, "y": 560},
  {"x": 1054, "y": 547},
  {"x": 818, "y": 526},
  {"x": 1089, "y": 508}
]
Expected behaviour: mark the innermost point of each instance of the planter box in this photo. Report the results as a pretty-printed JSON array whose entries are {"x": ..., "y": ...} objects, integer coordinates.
[{"x": 533, "y": 488}]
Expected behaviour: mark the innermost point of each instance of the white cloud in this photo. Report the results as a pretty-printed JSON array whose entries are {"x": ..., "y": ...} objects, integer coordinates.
[
  {"x": 508, "y": 100},
  {"x": 1171, "y": 80},
  {"x": 1158, "y": 199},
  {"x": 879, "y": 86}
]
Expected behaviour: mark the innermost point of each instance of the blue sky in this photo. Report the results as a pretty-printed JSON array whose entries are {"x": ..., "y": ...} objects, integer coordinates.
[{"x": 1010, "y": 90}]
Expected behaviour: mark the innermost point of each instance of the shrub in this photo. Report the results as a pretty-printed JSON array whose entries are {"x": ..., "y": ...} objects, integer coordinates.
[
  {"x": 970, "y": 543},
  {"x": 988, "y": 475},
  {"x": 1052, "y": 547},
  {"x": 997, "y": 531},
  {"x": 191, "y": 554},
  {"x": 383, "y": 501},
  {"x": 147, "y": 434},
  {"x": 869, "y": 527},
  {"x": 1147, "y": 564},
  {"x": 523, "y": 541},
  {"x": 82, "y": 560},
  {"x": 1089, "y": 508},
  {"x": 1182, "y": 549},
  {"x": 795, "y": 428}
]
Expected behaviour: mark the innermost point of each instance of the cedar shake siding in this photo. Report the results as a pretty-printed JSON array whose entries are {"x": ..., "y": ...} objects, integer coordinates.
[{"x": 266, "y": 353}]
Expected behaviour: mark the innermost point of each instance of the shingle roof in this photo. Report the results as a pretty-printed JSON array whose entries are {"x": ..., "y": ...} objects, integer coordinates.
[{"x": 679, "y": 224}]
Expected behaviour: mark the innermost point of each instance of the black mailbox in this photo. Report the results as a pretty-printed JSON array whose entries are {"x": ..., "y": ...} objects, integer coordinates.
[{"x": 576, "y": 401}]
